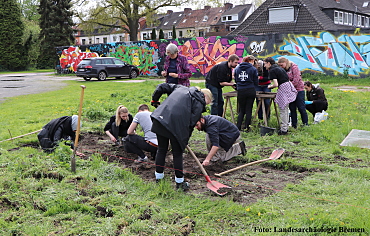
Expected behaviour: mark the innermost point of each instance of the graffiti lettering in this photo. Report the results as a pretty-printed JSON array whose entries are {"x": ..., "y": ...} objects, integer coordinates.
[{"x": 257, "y": 48}]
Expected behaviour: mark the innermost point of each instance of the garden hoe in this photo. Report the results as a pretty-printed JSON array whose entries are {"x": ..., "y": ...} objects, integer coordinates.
[
  {"x": 274, "y": 155},
  {"x": 73, "y": 158},
  {"x": 212, "y": 185}
]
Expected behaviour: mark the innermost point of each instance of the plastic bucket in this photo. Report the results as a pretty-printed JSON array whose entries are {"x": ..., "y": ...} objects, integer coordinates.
[{"x": 266, "y": 130}]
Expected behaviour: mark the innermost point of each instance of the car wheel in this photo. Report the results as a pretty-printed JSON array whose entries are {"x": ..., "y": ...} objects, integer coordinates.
[
  {"x": 102, "y": 75},
  {"x": 133, "y": 74},
  {"x": 87, "y": 78}
]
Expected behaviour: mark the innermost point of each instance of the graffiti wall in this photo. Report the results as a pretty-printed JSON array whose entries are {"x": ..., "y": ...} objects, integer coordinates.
[{"x": 324, "y": 52}]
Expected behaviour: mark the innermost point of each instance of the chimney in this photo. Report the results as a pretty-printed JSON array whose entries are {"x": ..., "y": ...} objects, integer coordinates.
[
  {"x": 169, "y": 12},
  {"x": 207, "y": 8},
  {"x": 187, "y": 10},
  {"x": 228, "y": 6}
]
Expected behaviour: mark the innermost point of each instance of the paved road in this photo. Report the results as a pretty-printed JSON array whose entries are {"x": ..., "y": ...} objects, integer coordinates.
[{"x": 12, "y": 85}]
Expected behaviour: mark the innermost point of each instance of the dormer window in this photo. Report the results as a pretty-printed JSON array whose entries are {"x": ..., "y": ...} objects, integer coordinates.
[
  {"x": 165, "y": 23},
  {"x": 184, "y": 21},
  {"x": 281, "y": 14},
  {"x": 205, "y": 18},
  {"x": 227, "y": 18},
  {"x": 175, "y": 21},
  {"x": 365, "y": 4}
]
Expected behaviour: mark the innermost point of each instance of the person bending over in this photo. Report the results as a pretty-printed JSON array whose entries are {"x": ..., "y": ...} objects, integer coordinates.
[
  {"x": 173, "y": 122},
  {"x": 137, "y": 144},
  {"x": 316, "y": 98},
  {"x": 118, "y": 124},
  {"x": 222, "y": 139}
]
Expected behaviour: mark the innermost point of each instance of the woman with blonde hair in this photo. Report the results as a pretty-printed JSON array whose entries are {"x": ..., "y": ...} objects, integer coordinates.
[
  {"x": 118, "y": 125},
  {"x": 294, "y": 75}
]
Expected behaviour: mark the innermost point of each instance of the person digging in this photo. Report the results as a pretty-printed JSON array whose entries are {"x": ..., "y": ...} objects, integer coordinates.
[{"x": 222, "y": 139}]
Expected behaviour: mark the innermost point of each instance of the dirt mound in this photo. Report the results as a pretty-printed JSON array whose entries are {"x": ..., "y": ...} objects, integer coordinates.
[{"x": 248, "y": 184}]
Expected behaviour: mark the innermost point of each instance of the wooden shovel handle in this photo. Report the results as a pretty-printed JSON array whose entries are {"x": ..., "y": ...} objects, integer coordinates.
[
  {"x": 198, "y": 162},
  {"x": 242, "y": 166}
]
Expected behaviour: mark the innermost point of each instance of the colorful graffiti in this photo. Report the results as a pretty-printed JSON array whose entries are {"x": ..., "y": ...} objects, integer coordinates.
[
  {"x": 72, "y": 56},
  {"x": 324, "y": 52}
]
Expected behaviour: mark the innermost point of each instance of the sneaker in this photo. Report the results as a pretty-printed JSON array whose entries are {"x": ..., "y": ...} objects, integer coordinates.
[
  {"x": 280, "y": 132},
  {"x": 184, "y": 186},
  {"x": 140, "y": 160},
  {"x": 242, "y": 148}
]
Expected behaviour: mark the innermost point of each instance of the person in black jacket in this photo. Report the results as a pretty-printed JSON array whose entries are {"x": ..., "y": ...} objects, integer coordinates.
[
  {"x": 263, "y": 82},
  {"x": 56, "y": 130},
  {"x": 316, "y": 98},
  {"x": 222, "y": 138},
  {"x": 246, "y": 79},
  {"x": 174, "y": 121},
  {"x": 219, "y": 76},
  {"x": 118, "y": 125}
]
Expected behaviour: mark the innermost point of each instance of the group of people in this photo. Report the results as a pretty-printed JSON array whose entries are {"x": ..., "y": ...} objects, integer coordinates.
[
  {"x": 173, "y": 120},
  {"x": 253, "y": 75}
]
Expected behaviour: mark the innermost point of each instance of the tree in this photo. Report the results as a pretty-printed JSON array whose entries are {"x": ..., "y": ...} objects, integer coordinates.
[
  {"x": 11, "y": 32},
  {"x": 174, "y": 32},
  {"x": 161, "y": 34},
  {"x": 154, "y": 34},
  {"x": 56, "y": 29},
  {"x": 124, "y": 13}
]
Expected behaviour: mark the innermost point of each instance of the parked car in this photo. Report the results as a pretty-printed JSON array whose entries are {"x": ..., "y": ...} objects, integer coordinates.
[{"x": 104, "y": 67}]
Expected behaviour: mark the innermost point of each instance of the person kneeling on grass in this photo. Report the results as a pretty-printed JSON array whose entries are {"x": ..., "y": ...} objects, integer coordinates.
[
  {"x": 135, "y": 143},
  {"x": 56, "y": 130},
  {"x": 117, "y": 125},
  {"x": 222, "y": 139}
]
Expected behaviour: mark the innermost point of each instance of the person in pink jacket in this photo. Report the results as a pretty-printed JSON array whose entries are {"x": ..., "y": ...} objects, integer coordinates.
[{"x": 294, "y": 75}]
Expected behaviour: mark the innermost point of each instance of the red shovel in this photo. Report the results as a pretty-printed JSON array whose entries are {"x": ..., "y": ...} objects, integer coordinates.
[
  {"x": 274, "y": 155},
  {"x": 212, "y": 185}
]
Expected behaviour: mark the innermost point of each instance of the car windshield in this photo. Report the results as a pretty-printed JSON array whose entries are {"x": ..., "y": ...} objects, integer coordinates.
[{"x": 85, "y": 62}]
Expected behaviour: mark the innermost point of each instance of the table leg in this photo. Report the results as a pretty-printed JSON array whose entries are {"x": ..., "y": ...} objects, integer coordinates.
[
  {"x": 264, "y": 111},
  {"x": 258, "y": 108},
  {"x": 225, "y": 107},
  {"x": 231, "y": 111}
]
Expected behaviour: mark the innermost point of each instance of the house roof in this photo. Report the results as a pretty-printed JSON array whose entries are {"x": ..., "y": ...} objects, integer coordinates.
[
  {"x": 173, "y": 18},
  {"x": 309, "y": 17},
  {"x": 191, "y": 18},
  {"x": 240, "y": 10}
]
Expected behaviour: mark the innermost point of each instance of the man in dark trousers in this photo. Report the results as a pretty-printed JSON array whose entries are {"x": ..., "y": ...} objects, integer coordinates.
[
  {"x": 219, "y": 76},
  {"x": 222, "y": 139},
  {"x": 59, "y": 129}
]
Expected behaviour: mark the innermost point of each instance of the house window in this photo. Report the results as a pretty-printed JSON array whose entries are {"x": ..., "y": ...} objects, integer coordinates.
[
  {"x": 201, "y": 33},
  {"x": 363, "y": 21},
  {"x": 120, "y": 38},
  {"x": 345, "y": 21},
  {"x": 90, "y": 41},
  {"x": 114, "y": 38},
  {"x": 358, "y": 20},
  {"x": 281, "y": 14},
  {"x": 165, "y": 23},
  {"x": 105, "y": 40},
  {"x": 144, "y": 36},
  {"x": 97, "y": 40},
  {"x": 205, "y": 18},
  {"x": 217, "y": 29},
  {"x": 227, "y": 18},
  {"x": 365, "y": 4},
  {"x": 180, "y": 33},
  {"x": 354, "y": 19},
  {"x": 350, "y": 19},
  {"x": 232, "y": 28},
  {"x": 340, "y": 18},
  {"x": 184, "y": 21},
  {"x": 83, "y": 41},
  {"x": 336, "y": 17},
  {"x": 367, "y": 22},
  {"x": 170, "y": 34}
]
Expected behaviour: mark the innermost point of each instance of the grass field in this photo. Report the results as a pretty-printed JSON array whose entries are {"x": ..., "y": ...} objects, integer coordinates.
[{"x": 39, "y": 195}]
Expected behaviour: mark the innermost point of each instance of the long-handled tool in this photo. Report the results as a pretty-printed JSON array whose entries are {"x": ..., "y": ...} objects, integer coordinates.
[
  {"x": 73, "y": 159},
  {"x": 274, "y": 155},
  {"x": 212, "y": 185}
]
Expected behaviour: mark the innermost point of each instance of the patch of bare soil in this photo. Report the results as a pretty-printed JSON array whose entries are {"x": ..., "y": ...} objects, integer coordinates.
[
  {"x": 353, "y": 88},
  {"x": 248, "y": 184}
]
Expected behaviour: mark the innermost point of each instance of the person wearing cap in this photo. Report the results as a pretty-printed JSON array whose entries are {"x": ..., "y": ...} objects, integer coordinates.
[
  {"x": 246, "y": 79},
  {"x": 63, "y": 128}
]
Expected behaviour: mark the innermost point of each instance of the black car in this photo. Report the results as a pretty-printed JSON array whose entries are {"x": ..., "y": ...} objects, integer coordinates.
[{"x": 103, "y": 67}]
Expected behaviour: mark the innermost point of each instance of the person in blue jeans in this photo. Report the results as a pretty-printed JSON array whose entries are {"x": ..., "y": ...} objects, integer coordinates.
[
  {"x": 263, "y": 82},
  {"x": 219, "y": 76}
]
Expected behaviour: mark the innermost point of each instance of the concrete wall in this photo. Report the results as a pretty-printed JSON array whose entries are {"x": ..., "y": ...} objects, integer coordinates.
[{"x": 323, "y": 52}]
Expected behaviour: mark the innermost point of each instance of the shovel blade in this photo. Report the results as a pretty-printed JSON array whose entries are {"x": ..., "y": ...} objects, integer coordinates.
[
  {"x": 218, "y": 188},
  {"x": 276, "y": 154}
]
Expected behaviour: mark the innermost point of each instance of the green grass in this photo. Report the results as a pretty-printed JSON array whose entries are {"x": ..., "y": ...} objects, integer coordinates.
[
  {"x": 39, "y": 195},
  {"x": 28, "y": 71}
]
